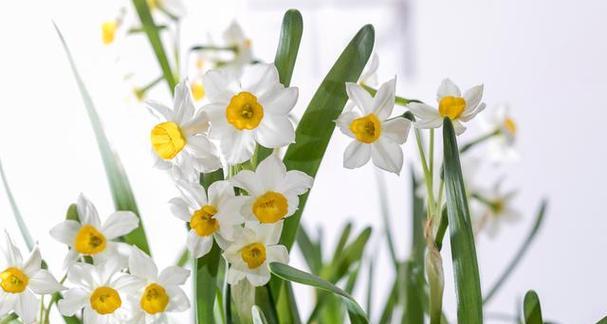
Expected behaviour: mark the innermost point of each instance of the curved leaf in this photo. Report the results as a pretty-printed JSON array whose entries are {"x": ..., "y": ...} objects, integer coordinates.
[
  {"x": 532, "y": 309},
  {"x": 25, "y": 233}
]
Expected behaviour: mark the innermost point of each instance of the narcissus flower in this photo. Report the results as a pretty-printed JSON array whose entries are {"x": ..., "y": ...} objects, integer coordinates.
[
  {"x": 179, "y": 142},
  {"x": 375, "y": 135},
  {"x": 90, "y": 237},
  {"x": 101, "y": 290},
  {"x": 501, "y": 145},
  {"x": 158, "y": 293},
  {"x": 256, "y": 246},
  {"x": 234, "y": 36},
  {"x": 252, "y": 109},
  {"x": 451, "y": 104},
  {"x": 494, "y": 207},
  {"x": 20, "y": 282},
  {"x": 273, "y": 192},
  {"x": 210, "y": 217}
]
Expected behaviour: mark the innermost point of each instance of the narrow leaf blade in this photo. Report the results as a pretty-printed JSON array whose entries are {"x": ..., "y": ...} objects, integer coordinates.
[{"x": 532, "y": 309}]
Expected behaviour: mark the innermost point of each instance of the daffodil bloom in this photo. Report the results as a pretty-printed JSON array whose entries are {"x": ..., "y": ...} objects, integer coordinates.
[
  {"x": 158, "y": 293},
  {"x": 375, "y": 135},
  {"x": 179, "y": 141},
  {"x": 20, "y": 282},
  {"x": 452, "y": 105},
  {"x": 101, "y": 290},
  {"x": 234, "y": 36},
  {"x": 255, "y": 247},
  {"x": 252, "y": 109},
  {"x": 273, "y": 192},
  {"x": 493, "y": 208},
  {"x": 90, "y": 237},
  {"x": 501, "y": 145},
  {"x": 212, "y": 216}
]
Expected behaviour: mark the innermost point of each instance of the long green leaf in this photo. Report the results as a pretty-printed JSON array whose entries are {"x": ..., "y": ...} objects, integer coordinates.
[
  {"x": 25, "y": 233},
  {"x": 119, "y": 184},
  {"x": 258, "y": 316},
  {"x": 357, "y": 315},
  {"x": 349, "y": 256},
  {"x": 532, "y": 309},
  {"x": 382, "y": 192},
  {"x": 310, "y": 250},
  {"x": 391, "y": 302},
  {"x": 317, "y": 124},
  {"x": 463, "y": 251},
  {"x": 520, "y": 253}
]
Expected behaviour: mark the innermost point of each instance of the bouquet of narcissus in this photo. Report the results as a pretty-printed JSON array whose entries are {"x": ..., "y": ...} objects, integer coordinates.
[{"x": 244, "y": 170}]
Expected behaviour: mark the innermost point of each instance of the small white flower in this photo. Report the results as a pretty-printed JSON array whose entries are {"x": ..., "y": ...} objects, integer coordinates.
[
  {"x": 494, "y": 207},
  {"x": 369, "y": 75},
  {"x": 214, "y": 216},
  {"x": 101, "y": 290},
  {"x": 256, "y": 246},
  {"x": 253, "y": 109},
  {"x": 450, "y": 104},
  {"x": 179, "y": 142},
  {"x": 158, "y": 293},
  {"x": 90, "y": 237},
  {"x": 375, "y": 136},
  {"x": 234, "y": 36},
  {"x": 501, "y": 145},
  {"x": 273, "y": 192},
  {"x": 21, "y": 281}
]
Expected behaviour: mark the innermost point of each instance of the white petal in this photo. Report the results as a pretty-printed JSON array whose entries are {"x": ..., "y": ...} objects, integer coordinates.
[
  {"x": 369, "y": 73},
  {"x": 238, "y": 147},
  {"x": 278, "y": 253},
  {"x": 11, "y": 252},
  {"x": 27, "y": 307},
  {"x": 33, "y": 263},
  {"x": 361, "y": 98},
  {"x": 458, "y": 127},
  {"x": 248, "y": 181},
  {"x": 387, "y": 155},
  {"x": 356, "y": 155},
  {"x": 205, "y": 157},
  {"x": 345, "y": 120},
  {"x": 473, "y": 96},
  {"x": 268, "y": 233},
  {"x": 174, "y": 276},
  {"x": 199, "y": 246},
  {"x": 234, "y": 276},
  {"x": 70, "y": 257},
  {"x": 447, "y": 88},
  {"x": 197, "y": 125},
  {"x": 292, "y": 205},
  {"x": 178, "y": 300},
  {"x": 142, "y": 266},
  {"x": 429, "y": 123},
  {"x": 179, "y": 208},
  {"x": 65, "y": 232},
  {"x": 193, "y": 193},
  {"x": 43, "y": 283},
  {"x": 81, "y": 274},
  {"x": 469, "y": 114},
  {"x": 183, "y": 106},
  {"x": 87, "y": 213},
  {"x": 271, "y": 172},
  {"x": 159, "y": 110},
  {"x": 259, "y": 276},
  {"x": 279, "y": 100},
  {"x": 119, "y": 223},
  {"x": 295, "y": 182},
  {"x": 383, "y": 103},
  {"x": 7, "y": 302},
  {"x": 217, "y": 86},
  {"x": 275, "y": 131},
  {"x": 423, "y": 112},
  {"x": 219, "y": 191},
  {"x": 396, "y": 129},
  {"x": 259, "y": 78}
]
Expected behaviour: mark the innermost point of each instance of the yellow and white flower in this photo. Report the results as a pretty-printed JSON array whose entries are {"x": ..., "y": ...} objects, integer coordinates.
[
  {"x": 249, "y": 110},
  {"x": 20, "y": 282},
  {"x": 101, "y": 290},
  {"x": 375, "y": 136},
  {"x": 179, "y": 142},
  {"x": 493, "y": 208},
  {"x": 451, "y": 104},
  {"x": 90, "y": 237},
  {"x": 255, "y": 247},
  {"x": 501, "y": 145},
  {"x": 273, "y": 192},
  {"x": 215, "y": 216},
  {"x": 159, "y": 293},
  {"x": 235, "y": 37}
]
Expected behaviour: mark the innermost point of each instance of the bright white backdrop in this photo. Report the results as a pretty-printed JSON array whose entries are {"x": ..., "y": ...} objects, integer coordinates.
[{"x": 546, "y": 58}]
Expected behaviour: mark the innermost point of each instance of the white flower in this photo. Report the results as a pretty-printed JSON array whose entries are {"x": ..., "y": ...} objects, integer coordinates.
[
  {"x": 20, "y": 281},
  {"x": 375, "y": 136},
  {"x": 90, "y": 237},
  {"x": 214, "y": 216},
  {"x": 234, "y": 36},
  {"x": 251, "y": 110},
  {"x": 101, "y": 290},
  {"x": 494, "y": 207},
  {"x": 256, "y": 246},
  {"x": 369, "y": 75},
  {"x": 158, "y": 293},
  {"x": 179, "y": 142},
  {"x": 273, "y": 192},
  {"x": 450, "y": 104},
  {"x": 501, "y": 145}
]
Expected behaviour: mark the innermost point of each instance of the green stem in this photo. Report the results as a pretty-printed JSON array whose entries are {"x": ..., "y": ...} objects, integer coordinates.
[
  {"x": 8, "y": 319},
  {"x": 213, "y": 48},
  {"x": 427, "y": 174},
  {"x": 442, "y": 229},
  {"x": 401, "y": 101},
  {"x": 479, "y": 140}
]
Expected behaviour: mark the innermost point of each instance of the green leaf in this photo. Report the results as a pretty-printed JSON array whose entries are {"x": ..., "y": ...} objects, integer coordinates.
[
  {"x": 317, "y": 124},
  {"x": 119, "y": 184},
  {"x": 25, "y": 233},
  {"x": 382, "y": 192},
  {"x": 349, "y": 256},
  {"x": 391, "y": 302},
  {"x": 602, "y": 321},
  {"x": 463, "y": 251},
  {"x": 258, "y": 316},
  {"x": 286, "y": 272},
  {"x": 343, "y": 239},
  {"x": 310, "y": 250},
  {"x": 532, "y": 309},
  {"x": 520, "y": 253}
]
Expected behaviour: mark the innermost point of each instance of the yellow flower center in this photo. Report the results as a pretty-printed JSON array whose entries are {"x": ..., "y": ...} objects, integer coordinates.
[
  {"x": 167, "y": 140},
  {"x": 108, "y": 31},
  {"x": 203, "y": 221},
  {"x": 89, "y": 240},
  {"x": 253, "y": 255},
  {"x": 509, "y": 125},
  {"x": 270, "y": 207},
  {"x": 451, "y": 107},
  {"x": 199, "y": 63},
  {"x": 197, "y": 90},
  {"x": 154, "y": 299},
  {"x": 247, "y": 43},
  {"x": 13, "y": 280},
  {"x": 105, "y": 300},
  {"x": 366, "y": 129},
  {"x": 152, "y": 4},
  {"x": 498, "y": 207},
  {"x": 244, "y": 112}
]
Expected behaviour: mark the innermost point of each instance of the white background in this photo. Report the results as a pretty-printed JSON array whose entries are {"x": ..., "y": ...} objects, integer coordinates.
[{"x": 546, "y": 58}]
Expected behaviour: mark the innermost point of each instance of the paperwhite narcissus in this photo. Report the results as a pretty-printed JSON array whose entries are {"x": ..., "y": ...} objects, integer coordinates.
[
  {"x": 493, "y": 208},
  {"x": 375, "y": 136},
  {"x": 90, "y": 237},
  {"x": 179, "y": 142},
  {"x": 209, "y": 217},
  {"x": 252, "y": 109},
  {"x": 101, "y": 290},
  {"x": 273, "y": 191},
  {"x": 234, "y": 36},
  {"x": 21, "y": 281},
  {"x": 157, "y": 293},
  {"x": 255, "y": 247},
  {"x": 451, "y": 104},
  {"x": 501, "y": 145}
]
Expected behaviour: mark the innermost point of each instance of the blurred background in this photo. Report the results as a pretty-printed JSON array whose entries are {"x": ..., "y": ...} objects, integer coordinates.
[{"x": 546, "y": 58}]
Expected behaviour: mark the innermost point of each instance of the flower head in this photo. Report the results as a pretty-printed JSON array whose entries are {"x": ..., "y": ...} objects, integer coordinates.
[
  {"x": 501, "y": 145},
  {"x": 234, "y": 36},
  {"x": 494, "y": 207},
  {"x": 451, "y": 104},
  {"x": 375, "y": 136},
  {"x": 252, "y": 109}
]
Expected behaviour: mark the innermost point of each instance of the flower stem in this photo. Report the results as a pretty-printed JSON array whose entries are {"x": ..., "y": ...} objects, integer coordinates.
[{"x": 213, "y": 48}]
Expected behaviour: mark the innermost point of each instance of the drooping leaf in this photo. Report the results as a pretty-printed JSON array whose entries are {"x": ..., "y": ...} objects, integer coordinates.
[
  {"x": 350, "y": 255},
  {"x": 532, "y": 309},
  {"x": 25, "y": 233}
]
